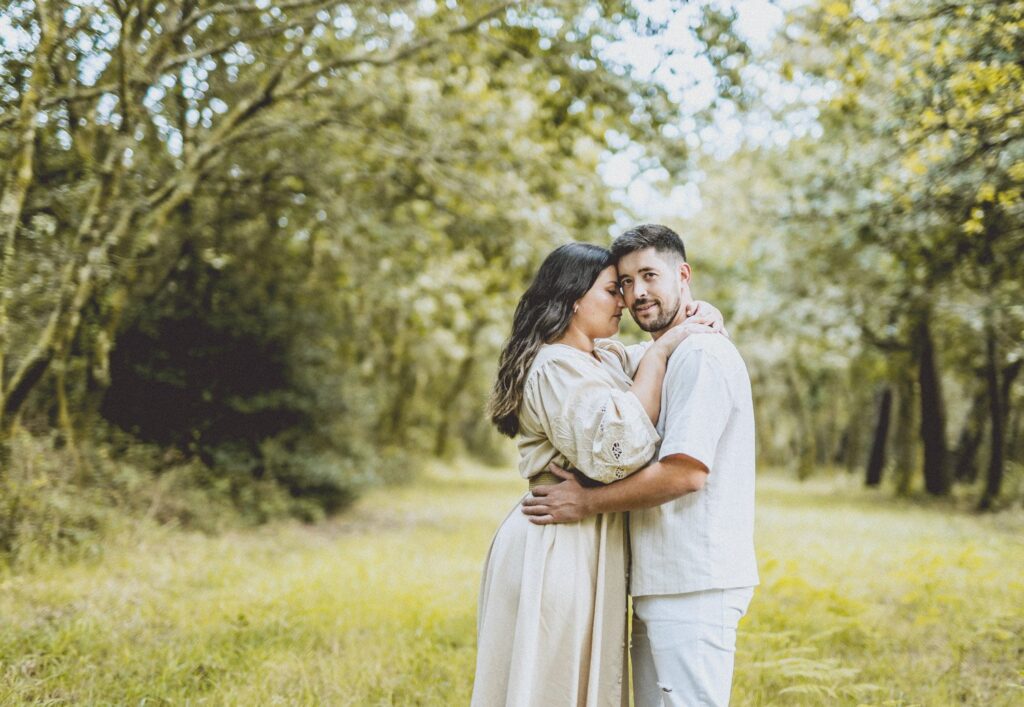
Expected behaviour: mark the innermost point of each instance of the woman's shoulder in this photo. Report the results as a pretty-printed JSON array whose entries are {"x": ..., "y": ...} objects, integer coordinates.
[
  {"x": 553, "y": 356},
  {"x": 626, "y": 356},
  {"x": 617, "y": 352},
  {"x": 558, "y": 362},
  {"x": 562, "y": 359},
  {"x": 612, "y": 346}
]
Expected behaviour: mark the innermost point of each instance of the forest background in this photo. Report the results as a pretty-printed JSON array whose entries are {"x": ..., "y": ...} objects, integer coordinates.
[{"x": 259, "y": 257}]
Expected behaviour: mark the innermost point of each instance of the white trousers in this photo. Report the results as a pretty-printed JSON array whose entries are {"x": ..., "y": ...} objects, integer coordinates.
[{"x": 683, "y": 647}]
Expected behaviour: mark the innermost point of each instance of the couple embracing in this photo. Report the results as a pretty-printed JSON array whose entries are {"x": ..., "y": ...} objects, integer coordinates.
[{"x": 664, "y": 430}]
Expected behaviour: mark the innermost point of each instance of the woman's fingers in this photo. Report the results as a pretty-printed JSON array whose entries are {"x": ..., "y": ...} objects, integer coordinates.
[
  {"x": 559, "y": 471},
  {"x": 705, "y": 313}
]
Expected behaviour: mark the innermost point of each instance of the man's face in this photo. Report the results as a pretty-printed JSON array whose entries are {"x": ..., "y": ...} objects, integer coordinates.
[{"x": 654, "y": 286}]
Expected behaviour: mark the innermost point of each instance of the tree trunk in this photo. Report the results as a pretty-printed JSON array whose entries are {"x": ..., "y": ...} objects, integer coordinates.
[
  {"x": 19, "y": 179},
  {"x": 994, "y": 476},
  {"x": 876, "y": 462},
  {"x": 1015, "y": 433},
  {"x": 1010, "y": 374},
  {"x": 844, "y": 447},
  {"x": 965, "y": 464},
  {"x": 1000, "y": 383},
  {"x": 933, "y": 415},
  {"x": 906, "y": 447},
  {"x": 392, "y": 424},
  {"x": 856, "y": 439},
  {"x": 65, "y": 424},
  {"x": 806, "y": 451},
  {"x": 1014, "y": 451},
  {"x": 74, "y": 289},
  {"x": 447, "y": 402}
]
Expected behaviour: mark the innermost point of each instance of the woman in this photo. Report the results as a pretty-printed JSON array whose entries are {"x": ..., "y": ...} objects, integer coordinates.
[{"x": 552, "y": 614}]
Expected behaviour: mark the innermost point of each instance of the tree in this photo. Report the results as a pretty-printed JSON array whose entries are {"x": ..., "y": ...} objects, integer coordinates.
[{"x": 348, "y": 199}]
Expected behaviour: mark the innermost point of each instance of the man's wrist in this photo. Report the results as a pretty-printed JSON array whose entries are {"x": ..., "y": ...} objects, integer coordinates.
[{"x": 589, "y": 502}]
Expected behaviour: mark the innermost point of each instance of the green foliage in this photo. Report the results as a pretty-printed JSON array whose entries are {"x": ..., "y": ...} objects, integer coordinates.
[
  {"x": 285, "y": 241},
  {"x": 890, "y": 219},
  {"x": 42, "y": 512},
  {"x": 285, "y": 244},
  {"x": 62, "y": 503}
]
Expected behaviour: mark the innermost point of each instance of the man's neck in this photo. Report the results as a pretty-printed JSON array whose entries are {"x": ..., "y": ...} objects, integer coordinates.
[{"x": 676, "y": 320}]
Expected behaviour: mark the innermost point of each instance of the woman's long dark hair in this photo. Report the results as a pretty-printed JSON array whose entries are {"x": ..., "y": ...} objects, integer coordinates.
[{"x": 542, "y": 315}]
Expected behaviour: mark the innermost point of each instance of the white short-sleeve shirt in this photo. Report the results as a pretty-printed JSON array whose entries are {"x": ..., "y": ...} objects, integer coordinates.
[{"x": 703, "y": 540}]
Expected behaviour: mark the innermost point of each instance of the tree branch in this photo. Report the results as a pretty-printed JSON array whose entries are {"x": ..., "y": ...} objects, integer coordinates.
[
  {"x": 244, "y": 8},
  {"x": 400, "y": 54}
]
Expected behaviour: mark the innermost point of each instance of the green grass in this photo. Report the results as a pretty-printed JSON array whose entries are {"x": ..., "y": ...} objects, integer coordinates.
[{"x": 864, "y": 601}]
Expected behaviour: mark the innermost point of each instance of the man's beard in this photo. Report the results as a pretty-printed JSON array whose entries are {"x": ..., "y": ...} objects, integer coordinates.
[{"x": 658, "y": 323}]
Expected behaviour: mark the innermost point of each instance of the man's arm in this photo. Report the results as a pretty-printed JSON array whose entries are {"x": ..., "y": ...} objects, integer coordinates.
[
  {"x": 567, "y": 502},
  {"x": 695, "y": 419}
]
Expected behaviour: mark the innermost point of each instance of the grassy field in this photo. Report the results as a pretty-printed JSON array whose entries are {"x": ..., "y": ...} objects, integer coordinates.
[{"x": 863, "y": 601}]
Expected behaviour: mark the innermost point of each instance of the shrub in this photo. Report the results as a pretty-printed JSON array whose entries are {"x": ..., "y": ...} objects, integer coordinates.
[{"x": 55, "y": 501}]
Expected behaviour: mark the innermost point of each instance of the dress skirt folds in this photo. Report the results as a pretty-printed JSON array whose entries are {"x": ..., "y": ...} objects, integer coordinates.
[
  {"x": 552, "y": 615},
  {"x": 551, "y": 628}
]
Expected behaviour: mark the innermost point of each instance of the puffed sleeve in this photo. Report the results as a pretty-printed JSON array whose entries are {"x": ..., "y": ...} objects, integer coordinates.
[
  {"x": 603, "y": 431},
  {"x": 628, "y": 356}
]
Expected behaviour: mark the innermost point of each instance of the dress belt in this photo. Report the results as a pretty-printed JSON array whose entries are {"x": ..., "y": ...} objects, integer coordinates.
[{"x": 544, "y": 478}]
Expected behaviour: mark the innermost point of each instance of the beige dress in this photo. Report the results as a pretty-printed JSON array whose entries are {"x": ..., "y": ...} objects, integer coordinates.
[{"x": 552, "y": 616}]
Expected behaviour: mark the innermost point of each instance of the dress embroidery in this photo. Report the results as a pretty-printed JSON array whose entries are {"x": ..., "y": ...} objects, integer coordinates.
[{"x": 591, "y": 417}]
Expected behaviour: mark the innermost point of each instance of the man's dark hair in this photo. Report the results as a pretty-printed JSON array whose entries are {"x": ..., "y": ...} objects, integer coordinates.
[{"x": 650, "y": 235}]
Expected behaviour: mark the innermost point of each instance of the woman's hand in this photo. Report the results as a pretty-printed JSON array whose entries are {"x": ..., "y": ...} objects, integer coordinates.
[
  {"x": 700, "y": 312},
  {"x": 668, "y": 341},
  {"x": 701, "y": 318},
  {"x": 651, "y": 372}
]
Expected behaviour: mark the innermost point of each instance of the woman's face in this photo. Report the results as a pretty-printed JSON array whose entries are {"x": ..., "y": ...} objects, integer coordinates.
[{"x": 599, "y": 311}]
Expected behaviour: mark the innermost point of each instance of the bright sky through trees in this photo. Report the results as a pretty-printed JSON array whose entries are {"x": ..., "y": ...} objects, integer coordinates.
[{"x": 673, "y": 58}]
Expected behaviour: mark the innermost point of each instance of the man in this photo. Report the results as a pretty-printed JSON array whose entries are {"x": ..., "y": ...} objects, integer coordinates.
[{"x": 693, "y": 569}]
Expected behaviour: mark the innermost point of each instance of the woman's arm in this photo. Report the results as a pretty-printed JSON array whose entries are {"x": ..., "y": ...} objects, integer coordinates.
[
  {"x": 649, "y": 376},
  {"x": 702, "y": 317},
  {"x": 697, "y": 312},
  {"x": 651, "y": 371},
  {"x": 601, "y": 430}
]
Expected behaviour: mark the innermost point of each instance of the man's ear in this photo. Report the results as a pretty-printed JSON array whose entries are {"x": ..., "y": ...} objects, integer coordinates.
[{"x": 684, "y": 272}]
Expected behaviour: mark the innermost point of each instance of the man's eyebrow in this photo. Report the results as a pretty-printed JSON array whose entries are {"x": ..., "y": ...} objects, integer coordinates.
[{"x": 641, "y": 271}]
